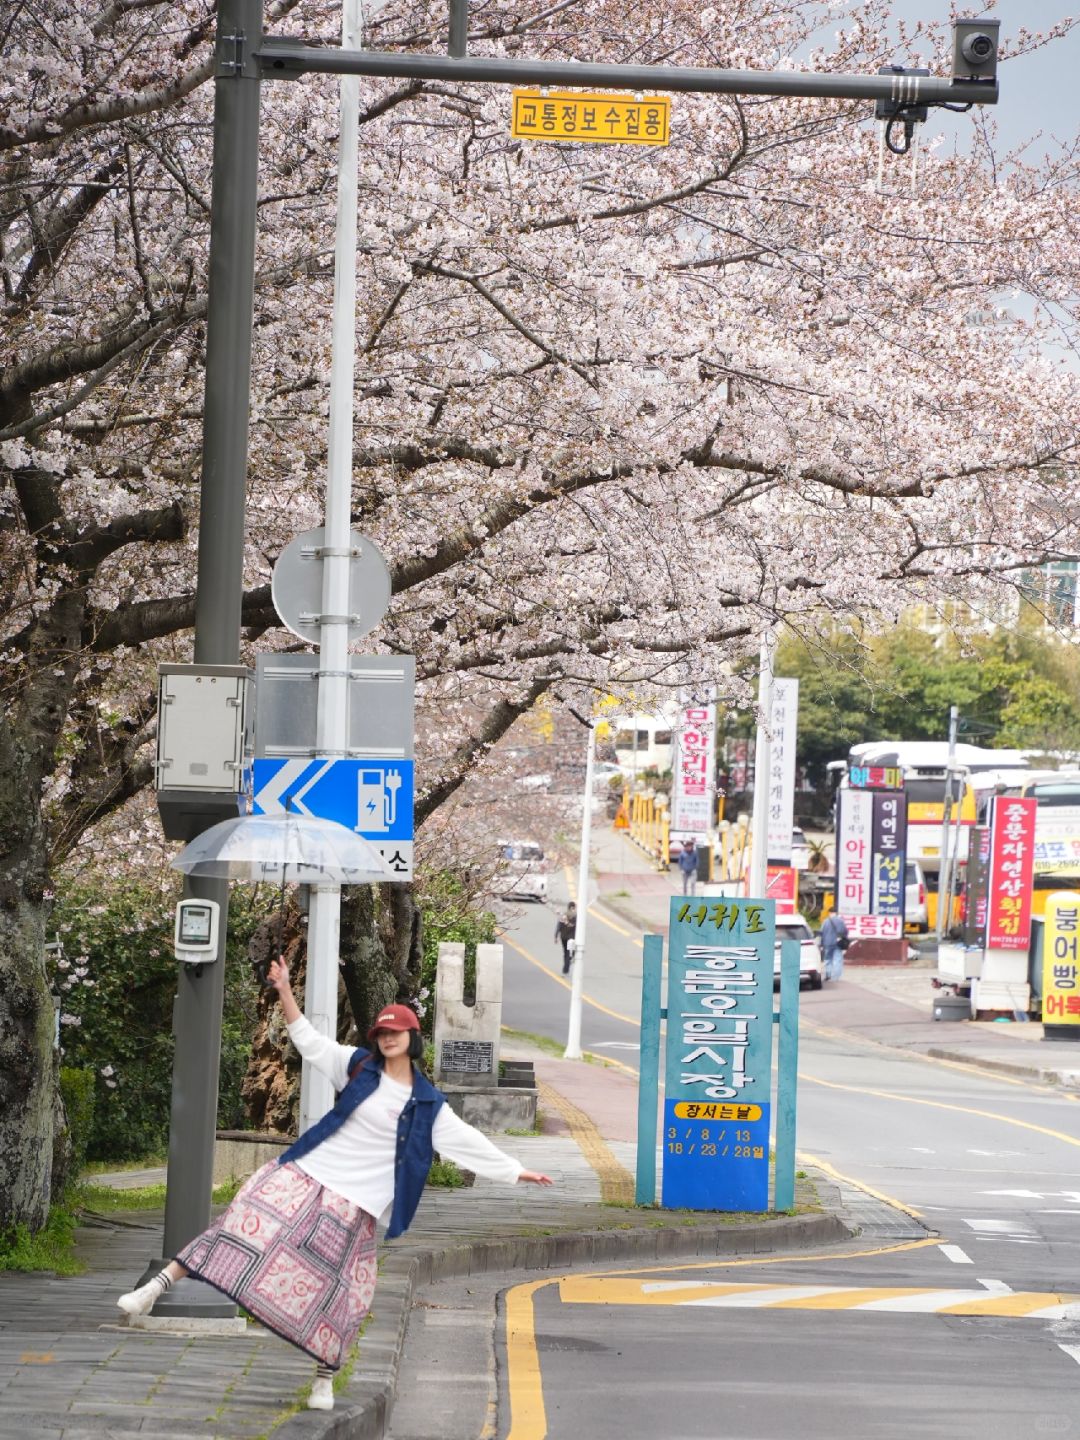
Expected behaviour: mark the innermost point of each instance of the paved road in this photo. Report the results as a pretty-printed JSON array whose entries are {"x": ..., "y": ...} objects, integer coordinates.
[
  {"x": 962, "y": 1320},
  {"x": 536, "y": 995}
]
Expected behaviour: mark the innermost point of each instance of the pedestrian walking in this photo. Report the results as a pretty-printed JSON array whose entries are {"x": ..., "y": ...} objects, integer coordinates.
[
  {"x": 296, "y": 1248},
  {"x": 835, "y": 940},
  {"x": 565, "y": 931},
  {"x": 687, "y": 863}
]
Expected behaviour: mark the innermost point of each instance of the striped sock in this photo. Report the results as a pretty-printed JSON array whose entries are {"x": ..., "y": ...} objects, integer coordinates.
[
  {"x": 323, "y": 1372},
  {"x": 161, "y": 1282}
]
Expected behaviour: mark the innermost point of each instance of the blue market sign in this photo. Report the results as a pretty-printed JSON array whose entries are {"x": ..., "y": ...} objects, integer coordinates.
[{"x": 718, "y": 1054}]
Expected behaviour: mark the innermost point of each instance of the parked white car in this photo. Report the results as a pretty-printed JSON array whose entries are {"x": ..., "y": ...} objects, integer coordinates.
[
  {"x": 915, "y": 911},
  {"x": 811, "y": 965}
]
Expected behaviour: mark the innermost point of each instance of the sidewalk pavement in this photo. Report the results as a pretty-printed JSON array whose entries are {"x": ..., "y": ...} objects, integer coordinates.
[
  {"x": 72, "y": 1367},
  {"x": 887, "y": 1004}
]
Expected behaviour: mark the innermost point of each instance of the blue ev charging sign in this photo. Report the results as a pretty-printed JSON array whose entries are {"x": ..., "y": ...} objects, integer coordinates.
[
  {"x": 718, "y": 1054},
  {"x": 374, "y": 798}
]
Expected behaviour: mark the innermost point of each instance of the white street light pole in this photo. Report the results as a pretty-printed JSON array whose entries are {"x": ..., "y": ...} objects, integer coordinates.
[
  {"x": 759, "y": 852},
  {"x": 332, "y": 718},
  {"x": 948, "y": 843},
  {"x": 573, "y": 1034}
]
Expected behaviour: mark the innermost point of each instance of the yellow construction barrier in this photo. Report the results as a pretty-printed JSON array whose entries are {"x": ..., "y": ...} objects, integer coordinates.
[{"x": 649, "y": 825}]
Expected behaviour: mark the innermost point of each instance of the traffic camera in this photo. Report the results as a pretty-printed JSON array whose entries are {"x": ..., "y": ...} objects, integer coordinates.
[{"x": 975, "y": 49}]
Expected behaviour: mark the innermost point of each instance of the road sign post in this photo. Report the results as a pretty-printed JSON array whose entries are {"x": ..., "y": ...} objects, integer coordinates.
[
  {"x": 649, "y": 1069},
  {"x": 787, "y": 1072},
  {"x": 718, "y": 1063}
]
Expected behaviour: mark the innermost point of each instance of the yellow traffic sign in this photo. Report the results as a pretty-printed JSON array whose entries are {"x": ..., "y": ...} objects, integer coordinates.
[{"x": 606, "y": 119}]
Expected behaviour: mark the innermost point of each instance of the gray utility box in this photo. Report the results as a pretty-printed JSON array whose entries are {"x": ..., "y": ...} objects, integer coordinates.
[{"x": 205, "y": 716}]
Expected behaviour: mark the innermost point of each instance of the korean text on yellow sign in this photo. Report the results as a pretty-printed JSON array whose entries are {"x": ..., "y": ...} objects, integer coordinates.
[
  {"x": 1061, "y": 960},
  {"x": 610, "y": 119}
]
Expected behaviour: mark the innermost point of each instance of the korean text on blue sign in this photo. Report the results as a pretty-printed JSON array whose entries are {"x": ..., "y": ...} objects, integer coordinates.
[{"x": 718, "y": 1054}]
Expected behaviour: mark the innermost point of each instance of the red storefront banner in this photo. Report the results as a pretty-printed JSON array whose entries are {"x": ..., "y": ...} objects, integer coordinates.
[
  {"x": 780, "y": 886},
  {"x": 1012, "y": 865}
]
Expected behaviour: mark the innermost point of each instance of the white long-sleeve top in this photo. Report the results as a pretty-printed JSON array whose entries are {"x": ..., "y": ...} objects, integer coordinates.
[{"x": 357, "y": 1160}]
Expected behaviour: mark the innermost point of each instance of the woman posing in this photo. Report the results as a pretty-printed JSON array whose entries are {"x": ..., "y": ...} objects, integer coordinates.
[{"x": 296, "y": 1248}]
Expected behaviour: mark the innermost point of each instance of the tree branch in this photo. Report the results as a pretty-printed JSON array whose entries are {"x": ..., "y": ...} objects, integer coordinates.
[{"x": 495, "y": 726}]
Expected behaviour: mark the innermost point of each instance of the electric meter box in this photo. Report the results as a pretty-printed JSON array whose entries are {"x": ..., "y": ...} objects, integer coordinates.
[
  {"x": 196, "y": 935},
  {"x": 206, "y": 715}
]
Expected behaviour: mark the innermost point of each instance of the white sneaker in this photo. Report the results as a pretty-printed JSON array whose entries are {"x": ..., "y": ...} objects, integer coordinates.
[
  {"x": 322, "y": 1394},
  {"x": 142, "y": 1300}
]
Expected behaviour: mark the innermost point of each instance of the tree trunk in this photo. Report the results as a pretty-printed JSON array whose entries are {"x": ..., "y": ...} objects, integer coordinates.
[
  {"x": 28, "y": 1069},
  {"x": 380, "y": 963}
]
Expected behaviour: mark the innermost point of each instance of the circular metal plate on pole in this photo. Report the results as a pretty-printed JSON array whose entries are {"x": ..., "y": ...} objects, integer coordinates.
[{"x": 297, "y": 585}]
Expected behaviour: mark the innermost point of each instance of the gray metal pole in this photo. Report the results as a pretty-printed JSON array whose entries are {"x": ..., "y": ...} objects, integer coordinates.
[
  {"x": 459, "y": 28},
  {"x": 284, "y": 59},
  {"x": 945, "y": 871},
  {"x": 197, "y": 1014}
]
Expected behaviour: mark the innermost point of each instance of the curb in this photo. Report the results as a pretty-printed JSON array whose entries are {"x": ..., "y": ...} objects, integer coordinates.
[
  {"x": 1063, "y": 1079},
  {"x": 363, "y": 1414}
]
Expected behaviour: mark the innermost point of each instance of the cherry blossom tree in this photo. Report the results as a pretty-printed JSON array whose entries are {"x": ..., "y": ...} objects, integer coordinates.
[{"x": 617, "y": 411}]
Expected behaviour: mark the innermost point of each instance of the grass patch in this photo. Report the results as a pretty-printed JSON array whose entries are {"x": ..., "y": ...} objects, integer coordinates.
[
  {"x": 540, "y": 1042},
  {"x": 113, "y": 1167},
  {"x": 105, "y": 1200},
  {"x": 445, "y": 1175},
  {"x": 52, "y": 1248},
  {"x": 524, "y": 1133}
]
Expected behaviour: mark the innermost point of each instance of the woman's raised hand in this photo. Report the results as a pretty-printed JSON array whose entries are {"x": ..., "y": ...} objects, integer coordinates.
[{"x": 278, "y": 975}]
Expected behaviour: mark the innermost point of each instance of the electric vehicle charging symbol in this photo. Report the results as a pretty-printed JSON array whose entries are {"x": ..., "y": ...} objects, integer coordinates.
[{"x": 376, "y": 800}]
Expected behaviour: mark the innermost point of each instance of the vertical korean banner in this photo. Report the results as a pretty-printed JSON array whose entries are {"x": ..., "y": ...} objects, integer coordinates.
[
  {"x": 854, "y": 851},
  {"x": 783, "y": 725},
  {"x": 1012, "y": 865},
  {"x": 978, "y": 887},
  {"x": 694, "y": 774},
  {"x": 718, "y": 1055},
  {"x": 888, "y": 838},
  {"x": 1061, "y": 961}
]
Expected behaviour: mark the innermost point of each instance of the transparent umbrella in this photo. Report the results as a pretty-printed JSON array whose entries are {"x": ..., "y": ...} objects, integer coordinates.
[{"x": 281, "y": 849}]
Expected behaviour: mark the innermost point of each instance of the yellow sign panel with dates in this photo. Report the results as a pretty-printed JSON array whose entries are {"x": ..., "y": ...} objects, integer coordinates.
[
  {"x": 695, "y": 1110},
  {"x": 606, "y": 119}
]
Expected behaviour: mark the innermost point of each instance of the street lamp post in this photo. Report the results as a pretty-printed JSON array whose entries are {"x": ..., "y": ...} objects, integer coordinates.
[
  {"x": 573, "y": 1034},
  {"x": 759, "y": 836}
]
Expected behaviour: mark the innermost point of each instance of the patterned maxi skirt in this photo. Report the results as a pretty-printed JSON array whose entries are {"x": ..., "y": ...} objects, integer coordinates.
[{"x": 298, "y": 1257}]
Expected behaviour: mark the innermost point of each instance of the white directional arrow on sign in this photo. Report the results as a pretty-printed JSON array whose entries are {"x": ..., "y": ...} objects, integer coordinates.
[
  {"x": 269, "y": 797},
  {"x": 298, "y": 798}
]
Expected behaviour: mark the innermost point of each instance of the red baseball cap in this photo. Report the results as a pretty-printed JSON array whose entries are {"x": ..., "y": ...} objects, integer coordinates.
[{"x": 394, "y": 1017}]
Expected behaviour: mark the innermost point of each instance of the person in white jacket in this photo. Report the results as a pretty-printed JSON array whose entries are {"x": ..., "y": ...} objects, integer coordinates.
[{"x": 296, "y": 1247}]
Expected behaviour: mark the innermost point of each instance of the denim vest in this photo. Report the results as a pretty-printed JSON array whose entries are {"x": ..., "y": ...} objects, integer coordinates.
[{"x": 414, "y": 1152}]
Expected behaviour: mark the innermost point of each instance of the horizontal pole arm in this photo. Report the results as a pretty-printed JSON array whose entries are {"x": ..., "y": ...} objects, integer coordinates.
[{"x": 283, "y": 59}]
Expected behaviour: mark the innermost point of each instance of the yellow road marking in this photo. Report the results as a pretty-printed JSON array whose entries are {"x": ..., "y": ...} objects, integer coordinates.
[
  {"x": 586, "y": 999},
  {"x": 945, "y": 1105},
  {"x": 37, "y": 1357},
  {"x": 528, "y": 1419},
  {"x": 1019, "y": 1304},
  {"x": 719, "y": 1263},
  {"x": 807, "y": 1158},
  {"x": 597, "y": 915},
  {"x": 590, "y": 1290},
  {"x": 616, "y": 1182},
  {"x": 885, "y": 1299}
]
